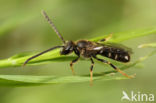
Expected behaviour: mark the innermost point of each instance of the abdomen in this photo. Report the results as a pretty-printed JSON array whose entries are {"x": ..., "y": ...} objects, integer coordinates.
[{"x": 117, "y": 54}]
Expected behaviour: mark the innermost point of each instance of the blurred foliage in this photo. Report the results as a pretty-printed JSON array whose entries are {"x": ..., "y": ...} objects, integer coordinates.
[
  {"x": 23, "y": 29},
  {"x": 153, "y": 45}
]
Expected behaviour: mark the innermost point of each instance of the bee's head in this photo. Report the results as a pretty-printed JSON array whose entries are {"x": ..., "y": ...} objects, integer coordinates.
[{"x": 68, "y": 48}]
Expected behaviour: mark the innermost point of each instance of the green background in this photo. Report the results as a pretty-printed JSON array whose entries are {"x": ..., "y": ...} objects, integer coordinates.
[{"x": 24, "y": 29}]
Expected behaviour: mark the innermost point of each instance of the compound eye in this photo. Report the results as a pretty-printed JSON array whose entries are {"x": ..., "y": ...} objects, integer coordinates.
[
  {"x": 68, "y": 47},
  {"x": 65, "y": 51}
]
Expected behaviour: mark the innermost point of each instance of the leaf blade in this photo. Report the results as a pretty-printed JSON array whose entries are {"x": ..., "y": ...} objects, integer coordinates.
[
  {"x": 28, "y": 80},
  {"x": 54, "y": 56}
]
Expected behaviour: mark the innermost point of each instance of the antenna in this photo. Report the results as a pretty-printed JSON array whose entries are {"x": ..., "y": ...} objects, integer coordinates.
[
  {"x": 53, "y": 26},
  {"x": 41, "y": 54}
]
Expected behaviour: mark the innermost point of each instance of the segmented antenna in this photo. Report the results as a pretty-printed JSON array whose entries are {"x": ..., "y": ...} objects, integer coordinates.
[
  {"x": 41, "y": 54},
  {"x": 52, "y": 25}
]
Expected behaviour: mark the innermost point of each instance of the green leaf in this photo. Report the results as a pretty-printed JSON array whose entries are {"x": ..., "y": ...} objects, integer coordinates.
[
  {"x": 54, "y": 55},
  {"x": 27, "y": 80},
  {"x": 123, "y": 36}
]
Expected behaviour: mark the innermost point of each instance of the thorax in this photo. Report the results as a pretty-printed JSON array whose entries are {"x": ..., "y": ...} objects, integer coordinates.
[{"x": 85, "y": 48}]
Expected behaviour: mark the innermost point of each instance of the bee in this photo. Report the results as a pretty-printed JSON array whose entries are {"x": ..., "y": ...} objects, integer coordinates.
[{"x": 88, "y": 49}]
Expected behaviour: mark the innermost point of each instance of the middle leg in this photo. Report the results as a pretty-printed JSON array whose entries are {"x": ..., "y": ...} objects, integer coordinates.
[{"x": 91, "y": 71}]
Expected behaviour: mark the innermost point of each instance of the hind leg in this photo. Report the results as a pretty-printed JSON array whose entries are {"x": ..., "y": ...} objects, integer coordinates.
[
  {"x": 114, "y": 67},
  {"x": 106, "y": 39}
]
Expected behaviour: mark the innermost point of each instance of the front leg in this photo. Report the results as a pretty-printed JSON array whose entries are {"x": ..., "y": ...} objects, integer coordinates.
[{"x": 71, "y": 64}]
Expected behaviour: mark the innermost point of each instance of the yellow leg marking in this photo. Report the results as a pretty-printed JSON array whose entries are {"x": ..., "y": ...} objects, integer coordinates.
[
  {"x": 109, "y": 37},
  {"x": 71, "y": 67},
  {"x": 126, "y": 75},
  {"x": 123, "y": 73},
  {"x": 91, "y": 77}
]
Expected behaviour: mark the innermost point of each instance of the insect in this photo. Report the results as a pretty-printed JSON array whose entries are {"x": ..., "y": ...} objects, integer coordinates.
[{"x": 88, "y": 49}]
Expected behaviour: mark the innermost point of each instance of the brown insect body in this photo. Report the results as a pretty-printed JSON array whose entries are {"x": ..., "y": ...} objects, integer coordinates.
[{"x": 88, "y": 49}]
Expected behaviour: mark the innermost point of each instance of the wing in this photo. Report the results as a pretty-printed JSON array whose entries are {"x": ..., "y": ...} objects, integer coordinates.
[
  {"x": 118, "y": 46},
  {"x": 114, "y": 51}
]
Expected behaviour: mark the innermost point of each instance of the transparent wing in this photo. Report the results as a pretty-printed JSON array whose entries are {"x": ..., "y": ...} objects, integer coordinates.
[{"x": 120, "y": 46}]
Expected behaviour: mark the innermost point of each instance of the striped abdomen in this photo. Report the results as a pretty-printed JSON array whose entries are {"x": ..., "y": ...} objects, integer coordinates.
[{"x": 115, "y": 53}]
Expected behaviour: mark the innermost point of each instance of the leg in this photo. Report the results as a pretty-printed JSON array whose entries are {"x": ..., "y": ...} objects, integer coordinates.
[
  {"x": 107, "y": 38},
  {"x": 91, "y": 71},
  {"x": 71, "y": 64},
  {"x": 118, "y": 70}
]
